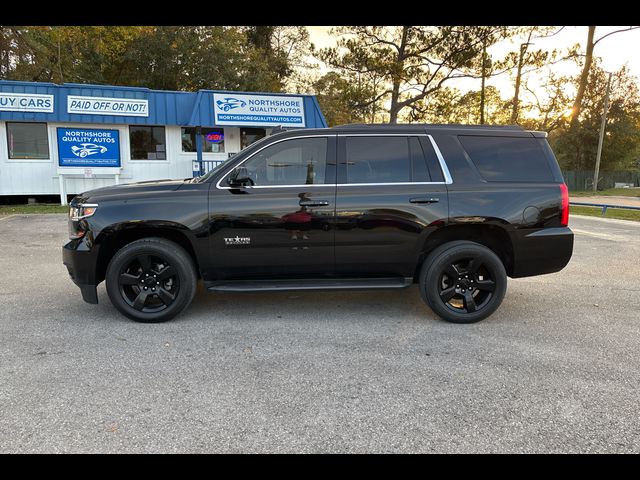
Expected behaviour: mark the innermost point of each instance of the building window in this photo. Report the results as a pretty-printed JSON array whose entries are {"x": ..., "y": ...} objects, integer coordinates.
[
  {"x": 212, "y": 140},
  {"x": 28, "y": 140},
  {"x": 147, "y": 143},
  {"x": 250, "y": 135}
]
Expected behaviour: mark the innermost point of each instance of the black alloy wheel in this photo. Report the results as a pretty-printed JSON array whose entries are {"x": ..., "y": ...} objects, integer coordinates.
[
  {"x": 463, "y": 282},
  {"x": 151, "y": 280},
  {"x": 149, "y": 283}
]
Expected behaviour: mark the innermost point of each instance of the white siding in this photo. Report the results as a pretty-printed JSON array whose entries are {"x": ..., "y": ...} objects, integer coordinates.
[{"x": 40, "y": 177}]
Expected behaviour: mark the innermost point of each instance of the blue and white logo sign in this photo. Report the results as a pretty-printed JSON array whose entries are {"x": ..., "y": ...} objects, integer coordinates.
[
  {"x": 82, "y": 147},
  {"x": 127, "y": 107},
  {"x": 26, "y": 102},
  {"x": 266, "y": 110}
]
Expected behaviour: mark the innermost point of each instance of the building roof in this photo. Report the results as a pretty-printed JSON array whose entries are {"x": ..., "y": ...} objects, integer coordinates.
[{"x": 164, "y": 107}]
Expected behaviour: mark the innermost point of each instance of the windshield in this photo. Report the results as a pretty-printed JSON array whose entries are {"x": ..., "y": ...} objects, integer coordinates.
[{"x": 247, "y": 151}]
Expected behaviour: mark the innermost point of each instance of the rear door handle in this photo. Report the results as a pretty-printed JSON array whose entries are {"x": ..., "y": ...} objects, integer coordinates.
[
  {"x": 424, "y": 200},
  {"x": 313, "y": 203}
]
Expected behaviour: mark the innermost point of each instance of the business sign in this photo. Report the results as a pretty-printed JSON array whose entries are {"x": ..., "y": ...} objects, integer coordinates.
[
  {"x": 108, "y": 106},
  {"x": 26, "y": 102},
  {"x": 258, "y": 110},
  {"x": 85, "y": 147}
]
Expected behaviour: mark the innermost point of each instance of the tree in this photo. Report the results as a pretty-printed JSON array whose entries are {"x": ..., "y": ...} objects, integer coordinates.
[
  {"x": 526, "y": 57},
  {"x": 340, "y": 100},
  {"x": 450, "y": 105},
  {"x": 586, "y": 67},
  {"x": 410, "y": 62},
  {"x": 576, "y": 146}
]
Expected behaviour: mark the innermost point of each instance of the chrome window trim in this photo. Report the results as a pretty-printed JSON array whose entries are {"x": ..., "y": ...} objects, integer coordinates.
[
  {"x": 327, "y": 136},
  {"x": 448, "y": 180}
]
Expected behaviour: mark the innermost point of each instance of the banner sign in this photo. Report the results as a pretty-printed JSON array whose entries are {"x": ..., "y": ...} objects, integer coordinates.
[
  {"x": 258, "y": 110},
  {"x": 26, "y": 102},
  {"x": 84, "y": 147},
  {"x": 129, "y": 107}
]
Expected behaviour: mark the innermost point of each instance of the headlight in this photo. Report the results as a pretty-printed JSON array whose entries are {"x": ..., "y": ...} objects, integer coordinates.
[
  {"x": 82, "y": 210},
  {"x": 77, "y": 213}
]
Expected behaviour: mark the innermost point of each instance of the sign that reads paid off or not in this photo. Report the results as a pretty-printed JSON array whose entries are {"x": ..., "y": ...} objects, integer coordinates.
[{"x": 108, "y": 106}]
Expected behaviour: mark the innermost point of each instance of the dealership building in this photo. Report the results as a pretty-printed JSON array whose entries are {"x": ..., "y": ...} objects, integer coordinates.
[{"x": 69, "y": 138}]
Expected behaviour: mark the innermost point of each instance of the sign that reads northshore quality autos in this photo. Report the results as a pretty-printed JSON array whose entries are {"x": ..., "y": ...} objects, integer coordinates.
[
  {"x": 88, "y": 147},
  {"x": 265, "y": 110},
  {"x": 128, "y": 107}
]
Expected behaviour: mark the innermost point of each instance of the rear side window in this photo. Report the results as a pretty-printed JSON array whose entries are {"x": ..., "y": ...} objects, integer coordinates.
[
  {"x": 378, "y": 159},
  {"x": 507, "y": 159},
  {"x": 385, "y": 159}
]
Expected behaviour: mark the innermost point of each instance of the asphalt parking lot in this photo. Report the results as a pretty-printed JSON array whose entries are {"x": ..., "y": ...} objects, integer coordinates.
[{"x": 556, "y": 369}]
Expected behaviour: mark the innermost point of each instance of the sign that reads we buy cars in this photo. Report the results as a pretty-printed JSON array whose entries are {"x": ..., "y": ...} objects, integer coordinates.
[{"x": 129, "y": 107}]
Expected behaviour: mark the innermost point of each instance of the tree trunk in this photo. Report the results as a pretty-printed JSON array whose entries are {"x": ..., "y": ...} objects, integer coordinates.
[
  {"x": 395, "y": 91},
  {"x": 393, "y": 111},
  {"x": 577, "y": 104},
  {"x": 516, "y": 93},
  {"x": 483, "y": 74}
]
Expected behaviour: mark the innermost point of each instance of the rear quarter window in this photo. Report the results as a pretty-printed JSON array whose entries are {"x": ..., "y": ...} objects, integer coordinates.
[{"x": 507, "y": 159}]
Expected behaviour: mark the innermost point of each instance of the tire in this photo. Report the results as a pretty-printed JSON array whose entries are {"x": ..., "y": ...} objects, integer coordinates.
[
  {"x": 151, "y": 280},
  {"x": 463, "y": 281}
]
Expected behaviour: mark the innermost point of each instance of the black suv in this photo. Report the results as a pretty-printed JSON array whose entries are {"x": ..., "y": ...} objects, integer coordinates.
[{"x": 452, "y": 208}]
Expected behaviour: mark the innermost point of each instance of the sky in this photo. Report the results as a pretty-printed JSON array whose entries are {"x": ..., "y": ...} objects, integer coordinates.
[{"x": 615, "y": 51}]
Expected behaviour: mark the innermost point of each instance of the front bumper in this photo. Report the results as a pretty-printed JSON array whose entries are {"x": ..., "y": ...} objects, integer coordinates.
[
  {"x": 542, "y": 251},
  {"x": 81, "y": 263}
]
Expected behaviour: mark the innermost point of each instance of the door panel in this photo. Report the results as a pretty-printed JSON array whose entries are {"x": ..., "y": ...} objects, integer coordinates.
[
  {"x": 386, "y": 203},
  {"x": 282, "y": 226},
  {"x": 379, "y": 231}
]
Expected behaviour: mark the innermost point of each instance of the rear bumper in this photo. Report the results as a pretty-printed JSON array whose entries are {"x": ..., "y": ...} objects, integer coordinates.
[
  {"x": 81, "y": 264},
  {"x": 542, "y": 251}
]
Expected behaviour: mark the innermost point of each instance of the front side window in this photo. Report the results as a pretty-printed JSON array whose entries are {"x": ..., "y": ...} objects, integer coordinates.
[
  {"x": 212, "y": 140},
  {"x": 300, "y": 161},
  {"x": 27, "y": 140},
  {"x": 147, "y": 143}
]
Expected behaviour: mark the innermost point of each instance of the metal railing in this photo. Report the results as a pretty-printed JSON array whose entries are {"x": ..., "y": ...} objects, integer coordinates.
[
  {"x": 604, "y": 206},
  {"x": 204, "y": 166}
]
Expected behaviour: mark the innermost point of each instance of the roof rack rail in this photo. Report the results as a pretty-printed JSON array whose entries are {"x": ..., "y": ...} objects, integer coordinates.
[{"x": 430, "y": 125}]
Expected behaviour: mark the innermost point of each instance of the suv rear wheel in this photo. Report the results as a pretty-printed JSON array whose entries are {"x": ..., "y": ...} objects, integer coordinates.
[
  {"x": 463, "y": 282},
  {"x": 151, "y": 280}
]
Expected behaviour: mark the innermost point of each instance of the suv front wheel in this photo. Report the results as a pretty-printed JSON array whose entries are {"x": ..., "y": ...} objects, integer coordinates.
[
  {"x": 463, "y": 282},
  {"x": 151, "y": 280}
]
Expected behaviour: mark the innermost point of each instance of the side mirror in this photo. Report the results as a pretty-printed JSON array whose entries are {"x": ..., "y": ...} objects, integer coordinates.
[{"x": 240, "y": 178}]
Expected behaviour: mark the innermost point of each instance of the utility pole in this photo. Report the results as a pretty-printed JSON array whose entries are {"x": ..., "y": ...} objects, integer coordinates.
[{"x": 601, "y": 139}]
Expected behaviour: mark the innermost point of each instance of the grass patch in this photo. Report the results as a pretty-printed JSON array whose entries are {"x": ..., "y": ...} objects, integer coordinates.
[
  {"x": 620, "y": 192},
  {"x": 611, "y": 212},
  {"x": 37, "y": 208}
]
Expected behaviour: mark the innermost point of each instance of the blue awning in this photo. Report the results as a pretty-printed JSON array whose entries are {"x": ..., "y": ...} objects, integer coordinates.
[{"x": 49, "y": 102}]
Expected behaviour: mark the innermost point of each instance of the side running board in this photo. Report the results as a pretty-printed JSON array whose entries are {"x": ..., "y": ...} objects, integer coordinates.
[{"x": 308, "y": 284}]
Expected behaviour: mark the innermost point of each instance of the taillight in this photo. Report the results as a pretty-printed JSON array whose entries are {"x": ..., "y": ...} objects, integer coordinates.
[{"x": 564, "y": 206}]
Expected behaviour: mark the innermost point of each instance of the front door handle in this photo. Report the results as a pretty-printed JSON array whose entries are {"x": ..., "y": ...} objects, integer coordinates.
[
  {"x": 424, "y": 200},
  {"x": 313, "y": 203}
]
